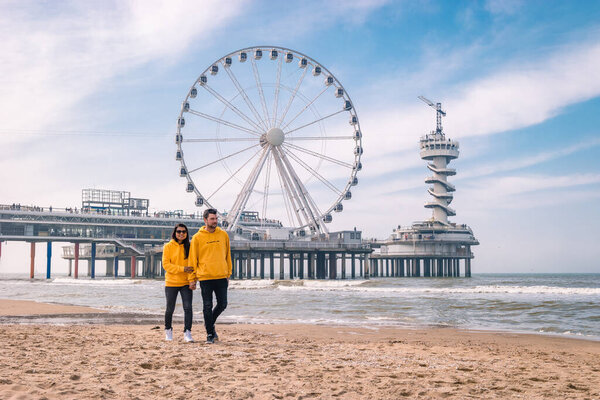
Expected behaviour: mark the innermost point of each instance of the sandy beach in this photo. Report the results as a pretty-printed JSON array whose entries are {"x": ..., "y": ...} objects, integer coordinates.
[{"x": 286, "y": 362}]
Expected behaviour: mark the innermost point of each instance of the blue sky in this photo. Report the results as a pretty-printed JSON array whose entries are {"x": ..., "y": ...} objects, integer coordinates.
[{"x": 91, "y": 91}]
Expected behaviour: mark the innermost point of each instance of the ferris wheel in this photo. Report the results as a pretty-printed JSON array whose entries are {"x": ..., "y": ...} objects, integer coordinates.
[{"x": 271, "y": 133}]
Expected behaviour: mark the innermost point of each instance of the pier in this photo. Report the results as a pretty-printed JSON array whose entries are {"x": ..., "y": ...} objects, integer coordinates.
[{"x": 136, "y": 243}]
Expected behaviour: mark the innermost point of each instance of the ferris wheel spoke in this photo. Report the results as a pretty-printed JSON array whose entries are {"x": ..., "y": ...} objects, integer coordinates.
[
  {"x": 242, "y": 92},
  {"x": 232, "y": 175},
  {"x": 304, "y": 199},
  {"x": 315, "y": 154},
  {"x": 240, "y": 202},
  {"x": 314, "y": 172},
  {"x": 216, "y": 140},
  {"x": 266, "y": 189},
  {"x": 223, "y": 158},
  {"x": 260, "y": 92},
  {"x": 224, "y": 122},
  {"x": 294, "y": 138},
  {"x": 315, "y": 121},
  {"x": 231, "y": 106},
  {"x": 277, "y": 83},
  {"x": 293, "y": 96},
  {"x": 306, "y": 107}
]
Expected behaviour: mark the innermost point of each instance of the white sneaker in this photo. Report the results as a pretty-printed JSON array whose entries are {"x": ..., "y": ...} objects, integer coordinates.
[
  {"x": 187, "y": 336},
  {"x": 169, "y": 335}
]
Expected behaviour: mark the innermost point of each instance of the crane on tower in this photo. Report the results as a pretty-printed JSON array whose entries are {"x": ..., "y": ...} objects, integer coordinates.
[{"x": 439, "y": 113}]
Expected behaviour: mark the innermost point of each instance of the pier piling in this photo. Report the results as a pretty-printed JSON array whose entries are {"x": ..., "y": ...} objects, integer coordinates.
[
  {"x": 76, "y": 256},
  {"x": 93, "y": 261},
  {"x": 48, "y": 259},
  {"x": 32, "y": 263}
]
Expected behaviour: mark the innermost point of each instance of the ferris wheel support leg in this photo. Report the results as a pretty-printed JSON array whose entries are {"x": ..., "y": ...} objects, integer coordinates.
[
  {"x": 309, "y": 208},
  {"x": 292, "y": 196},
  {"x": 244, "y": 195}
]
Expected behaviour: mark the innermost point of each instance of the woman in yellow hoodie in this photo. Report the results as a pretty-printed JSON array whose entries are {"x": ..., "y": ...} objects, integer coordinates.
[{"x": 179, "y": 278}]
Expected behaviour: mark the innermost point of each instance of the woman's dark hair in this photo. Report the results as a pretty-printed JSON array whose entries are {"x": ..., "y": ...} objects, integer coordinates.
[{"x": 186, "y": 241}]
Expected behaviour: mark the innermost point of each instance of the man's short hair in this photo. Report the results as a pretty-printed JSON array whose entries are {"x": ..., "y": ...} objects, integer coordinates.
[{"x": 209, "y": 211}]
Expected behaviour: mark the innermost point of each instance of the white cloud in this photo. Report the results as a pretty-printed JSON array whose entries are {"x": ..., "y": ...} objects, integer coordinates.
[
  {"x": 527, "y": 94},
  {"x": 514, "y": 97},
  {"x": 53, "y": 56},
  {"x": 514, "y": 164},
  {"x": 522, "y": 192}
]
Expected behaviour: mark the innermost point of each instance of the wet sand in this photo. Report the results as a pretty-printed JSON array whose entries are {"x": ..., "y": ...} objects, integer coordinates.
[
  {"x": 291, "y": 362},
  {"x": 28, "y": 308}
]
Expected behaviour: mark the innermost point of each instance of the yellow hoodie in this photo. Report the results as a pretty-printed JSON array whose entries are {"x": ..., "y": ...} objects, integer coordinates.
[
  {"x": 210, "y": 254},
  {"x": 173, "y": 261}
]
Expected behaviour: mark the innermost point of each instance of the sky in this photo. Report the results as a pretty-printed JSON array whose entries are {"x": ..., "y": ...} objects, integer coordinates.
[{"x": 90, "y": 93}]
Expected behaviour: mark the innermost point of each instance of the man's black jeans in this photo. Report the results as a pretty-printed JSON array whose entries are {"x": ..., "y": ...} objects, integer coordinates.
[
  {"x": 219, "y": 287},
  {"x": 186, "y": 298}
]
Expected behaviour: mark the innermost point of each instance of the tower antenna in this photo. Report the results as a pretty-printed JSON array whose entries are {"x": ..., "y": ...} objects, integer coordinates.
[{"x": 439, "y": 113}]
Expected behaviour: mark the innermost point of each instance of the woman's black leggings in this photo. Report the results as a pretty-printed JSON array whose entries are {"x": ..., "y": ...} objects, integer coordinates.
[{"x": 186, "y": 298}]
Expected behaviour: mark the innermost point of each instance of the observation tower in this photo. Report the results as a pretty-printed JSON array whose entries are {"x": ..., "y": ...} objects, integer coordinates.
[
  {"x": 439, "y": 151},
  {"x": 436, "y": 246}
]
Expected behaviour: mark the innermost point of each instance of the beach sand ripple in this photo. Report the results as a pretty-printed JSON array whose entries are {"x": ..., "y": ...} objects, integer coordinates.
[{"x": 292, "y": 362}]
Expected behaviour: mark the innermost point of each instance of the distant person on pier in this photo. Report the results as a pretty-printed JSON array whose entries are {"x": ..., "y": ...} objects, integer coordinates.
[
  {"x": 210, "y": 256},
  {"x": 179, "y": 278}
]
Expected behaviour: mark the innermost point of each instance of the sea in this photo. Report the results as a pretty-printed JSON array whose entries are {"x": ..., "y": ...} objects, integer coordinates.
[{"x": 548, "y": 304}]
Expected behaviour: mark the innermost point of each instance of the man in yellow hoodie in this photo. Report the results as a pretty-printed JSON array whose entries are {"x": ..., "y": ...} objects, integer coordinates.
[{"x": 210, "y": 256}]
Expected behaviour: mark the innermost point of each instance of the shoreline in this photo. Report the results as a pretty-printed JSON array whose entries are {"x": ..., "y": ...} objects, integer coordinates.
[
  {"x": 28, "y": 312},
  {"x": 285, "y": 361}
]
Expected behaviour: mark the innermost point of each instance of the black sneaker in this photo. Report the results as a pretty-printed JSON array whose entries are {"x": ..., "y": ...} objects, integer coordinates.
[
  {"x": 210, "y": 339},
  {"x": 215, "y": 336}
]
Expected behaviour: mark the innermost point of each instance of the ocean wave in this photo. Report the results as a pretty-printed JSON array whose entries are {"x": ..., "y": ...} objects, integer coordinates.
[
  {"x": 295, "y": 283},
  {"x": 556, "y": 331},
  {"x": 544, "y": 290},
  {"x": 96, "y": 282},
  {"x": 251, "y": 284},
  {"x": 334, "y": 284},
  {"x": 250, "y": 319}
]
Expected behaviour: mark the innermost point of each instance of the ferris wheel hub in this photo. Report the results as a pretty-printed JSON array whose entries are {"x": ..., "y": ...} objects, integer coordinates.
[{"x": 275, "y": 137}]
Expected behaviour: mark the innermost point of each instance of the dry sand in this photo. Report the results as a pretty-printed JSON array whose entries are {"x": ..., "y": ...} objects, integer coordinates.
[{"x": 291, "y": 362}]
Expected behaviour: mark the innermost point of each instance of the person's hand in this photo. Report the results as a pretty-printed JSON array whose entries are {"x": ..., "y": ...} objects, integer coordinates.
[
  {"x": 193, "y": 285},
  {"x": 188, "y": 269}
]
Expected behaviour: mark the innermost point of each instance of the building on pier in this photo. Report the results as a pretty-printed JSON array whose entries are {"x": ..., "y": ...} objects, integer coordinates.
[{"x": 436, "y": 247}]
